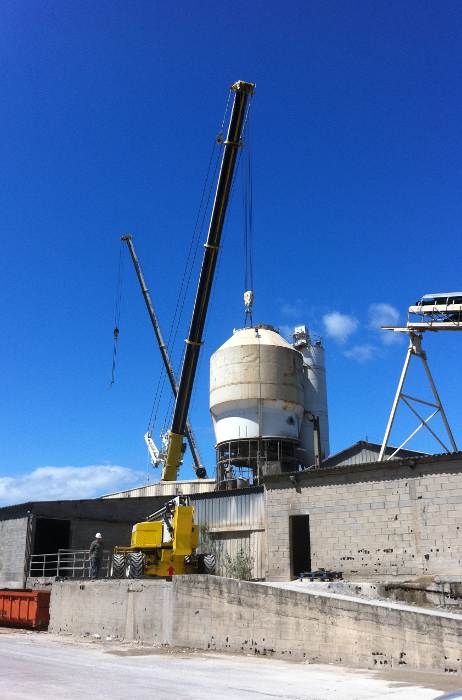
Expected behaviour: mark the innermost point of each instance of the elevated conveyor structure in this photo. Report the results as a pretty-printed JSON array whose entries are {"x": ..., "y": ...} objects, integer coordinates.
[{"x": 435, "y": 313}]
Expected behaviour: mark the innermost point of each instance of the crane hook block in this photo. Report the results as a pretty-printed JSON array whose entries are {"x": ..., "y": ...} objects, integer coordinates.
[{"x": 248, "y": 299}]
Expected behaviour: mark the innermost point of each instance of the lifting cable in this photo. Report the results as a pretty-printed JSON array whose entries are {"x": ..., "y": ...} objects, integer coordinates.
[
  {"x": 245, "y": 143},
  {"x": 247, "y": 192},
  {"x": 117, "y": 308},
  {"x": 223, "y": 236},
  {"x": 184, "y": 287},
  {"x": 189, "y": 265}
]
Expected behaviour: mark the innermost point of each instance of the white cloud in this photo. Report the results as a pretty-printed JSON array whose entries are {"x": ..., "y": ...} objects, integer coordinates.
[
  {"x": 382, "y": 314},
  {"x": 340, "y": 326},
  {"x": 391, "y": 338},
  {"x": 361, "y": 353},
  {"x": 54, "y": 483}
]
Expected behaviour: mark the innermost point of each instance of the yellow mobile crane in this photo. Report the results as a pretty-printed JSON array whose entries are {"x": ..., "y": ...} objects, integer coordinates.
[{"x": 165, "y": 543}]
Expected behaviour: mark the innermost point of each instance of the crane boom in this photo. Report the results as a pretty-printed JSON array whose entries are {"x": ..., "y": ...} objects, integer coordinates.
[
  {"x": 198, "y": 467},
  {"x": 242, "y": 94}
]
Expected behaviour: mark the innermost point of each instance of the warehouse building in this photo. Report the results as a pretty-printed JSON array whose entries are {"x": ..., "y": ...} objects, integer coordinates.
[
  {"x": 369, "y": 520},
  {"x": 29, "y": 531}
]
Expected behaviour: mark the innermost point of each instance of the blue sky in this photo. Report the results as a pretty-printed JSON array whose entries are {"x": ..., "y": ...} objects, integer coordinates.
[{"x": 108, "y": 114}]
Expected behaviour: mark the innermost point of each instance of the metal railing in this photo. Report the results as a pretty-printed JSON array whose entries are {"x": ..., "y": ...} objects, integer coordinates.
[{"x": 70, "y": 563}]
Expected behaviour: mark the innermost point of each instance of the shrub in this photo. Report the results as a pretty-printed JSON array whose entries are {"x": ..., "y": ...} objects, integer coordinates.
[{"x": 239, "y": 566}]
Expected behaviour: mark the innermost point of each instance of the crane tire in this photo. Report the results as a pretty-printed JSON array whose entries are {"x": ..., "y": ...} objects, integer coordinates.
[
  {"x": 118, "y": 566},
  {"x": 135, "y": 567},
  {"x": 209, "y": 563}
]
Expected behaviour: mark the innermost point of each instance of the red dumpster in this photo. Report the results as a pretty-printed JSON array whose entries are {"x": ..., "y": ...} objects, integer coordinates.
[{"x": 24, "y": 608}]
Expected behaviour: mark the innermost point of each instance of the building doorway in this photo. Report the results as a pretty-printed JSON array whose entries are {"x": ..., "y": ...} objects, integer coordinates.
[
  {"x": 300, "y": 550},
  {"x": 51, "y": 535}
]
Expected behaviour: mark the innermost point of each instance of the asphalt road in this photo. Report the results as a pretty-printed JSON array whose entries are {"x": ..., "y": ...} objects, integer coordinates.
[{"x": 37, "y": 666}]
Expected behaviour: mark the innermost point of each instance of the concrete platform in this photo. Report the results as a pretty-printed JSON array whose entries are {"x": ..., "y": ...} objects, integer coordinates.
[
  {"x": 214, "y": 613},
  {"x": 442, "y": 594}
]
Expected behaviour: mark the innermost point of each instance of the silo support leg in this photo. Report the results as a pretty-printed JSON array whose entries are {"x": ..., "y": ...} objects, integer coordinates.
[{"x": 395, "y": 403}]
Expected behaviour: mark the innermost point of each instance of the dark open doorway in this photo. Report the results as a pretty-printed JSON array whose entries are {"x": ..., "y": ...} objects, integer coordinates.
[
  {"x": 51, "y": 535},
  {"x": 300, "y": 552}
]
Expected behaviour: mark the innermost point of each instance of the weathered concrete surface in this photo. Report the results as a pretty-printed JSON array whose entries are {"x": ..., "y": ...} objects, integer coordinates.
[
  {"x": 40, "y": 667},
  {"x": 446, "y": 592},
  {"x": 13, "y": 537},
  {"x": 384, "y": 519},
  {"x": 40, "y": 581},
  {"x": 132, "y": 610},
  {"x": 208, "y": 612}
]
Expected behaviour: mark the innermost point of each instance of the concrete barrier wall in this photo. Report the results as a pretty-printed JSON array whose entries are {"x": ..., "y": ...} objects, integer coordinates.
[
  {"x": 132, "y": 610},
  {"x": 209, "y": 612}
]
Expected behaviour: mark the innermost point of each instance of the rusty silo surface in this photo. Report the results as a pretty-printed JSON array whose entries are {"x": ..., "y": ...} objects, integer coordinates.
[{"x": 256, "y": 402}]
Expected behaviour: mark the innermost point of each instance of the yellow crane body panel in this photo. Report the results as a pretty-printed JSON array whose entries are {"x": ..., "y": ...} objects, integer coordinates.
[
  {"x": 147, "y": 535},
  {"x": 186, "y": 534}
]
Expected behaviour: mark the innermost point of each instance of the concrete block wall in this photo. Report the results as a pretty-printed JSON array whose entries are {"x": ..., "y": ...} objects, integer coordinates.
[
  {"x": 209, "y": 612},
  {"x": 13, "y": 538},
  {"x": 376, "y": 521}
]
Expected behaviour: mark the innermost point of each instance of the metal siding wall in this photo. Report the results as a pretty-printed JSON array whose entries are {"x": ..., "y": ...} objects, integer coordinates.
[
  {"x": 231, "y": 511},
  {"x": 258, "y": 551},
  {"x": 235, "y": 521}
]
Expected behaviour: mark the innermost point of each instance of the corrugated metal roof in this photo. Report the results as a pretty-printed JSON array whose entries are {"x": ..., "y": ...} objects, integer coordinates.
[
  {"x": 362, "y": 452},
  {"x": 167, "y": 488}
]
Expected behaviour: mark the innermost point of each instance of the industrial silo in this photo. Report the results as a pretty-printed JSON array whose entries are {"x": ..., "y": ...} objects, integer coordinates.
[
  {"x": 315, "y": 419},
  {"x": 257, "y": 399}
]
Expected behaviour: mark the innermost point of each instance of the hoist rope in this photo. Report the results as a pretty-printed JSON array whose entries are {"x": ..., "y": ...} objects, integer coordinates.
[
  {"x": 224, "y": 233},
  {"x": 226, "y": 111},
  {"x": 248, "y": 214},
  {"x": 247, "y": 196},
  {"x": 189, "y": 268},
  {"x": 204, "y": 206},
  {"x": 187, "y": 272},
  {"x": 117, "y": 309},
  {"x": 222, "y": 245}
]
